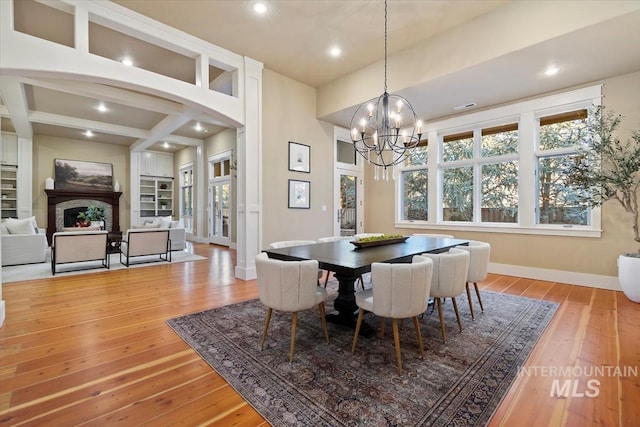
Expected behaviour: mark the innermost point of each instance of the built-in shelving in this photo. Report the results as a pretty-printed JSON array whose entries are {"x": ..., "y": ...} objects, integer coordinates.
[
  {"x": 9, "y": 191},
  {"x": 156, "y": 196}
]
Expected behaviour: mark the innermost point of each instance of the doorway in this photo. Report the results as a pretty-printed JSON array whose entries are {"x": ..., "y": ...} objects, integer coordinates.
[
  {"x": 348, "y": 186},
  {"x": 219, "y": 210}
]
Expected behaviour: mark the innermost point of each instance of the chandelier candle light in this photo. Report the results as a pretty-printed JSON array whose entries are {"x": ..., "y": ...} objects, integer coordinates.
[{"x": 384, "y": 130}]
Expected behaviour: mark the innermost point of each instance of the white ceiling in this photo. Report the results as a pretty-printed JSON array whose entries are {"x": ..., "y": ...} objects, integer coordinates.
[{"x": 293, "y": 39}]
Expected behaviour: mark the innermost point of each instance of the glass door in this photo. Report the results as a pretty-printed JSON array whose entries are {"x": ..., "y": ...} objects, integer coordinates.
[
  {"x": 349, "y": 203},
  {"x": 219, "y": 210}
]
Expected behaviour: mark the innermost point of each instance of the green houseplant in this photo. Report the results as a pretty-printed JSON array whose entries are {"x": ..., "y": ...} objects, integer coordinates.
[
  {"x": 607, "y": 168},
  {"x": 92, "y": 214}
]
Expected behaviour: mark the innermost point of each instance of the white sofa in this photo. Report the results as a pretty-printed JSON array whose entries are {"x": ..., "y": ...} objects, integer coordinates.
[
  {"x": 177, "y": 234},
  {"x": 23, "y": 248}
]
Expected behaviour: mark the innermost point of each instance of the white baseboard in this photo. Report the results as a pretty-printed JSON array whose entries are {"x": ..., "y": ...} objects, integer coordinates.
[
  {"x": 560, "y": 276},
  {"x": 2, "y": 312}
]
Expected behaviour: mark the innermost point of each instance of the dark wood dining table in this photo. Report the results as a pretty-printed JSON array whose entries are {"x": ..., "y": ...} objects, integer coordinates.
[{"x": 348, "y": 262}]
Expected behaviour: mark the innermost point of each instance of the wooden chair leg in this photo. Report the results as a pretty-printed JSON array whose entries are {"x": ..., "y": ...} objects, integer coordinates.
[
  {"x": 455, "y": 308},
  {"x": 294, "y": 324},
  {"x": 324, "y": 322},
  {"x": 396, "y": 339},
  {"x": 326, "y": 279},
  {"x": 266, "y": 326},
  {"x": 475, "y": 285},
  {"x": 470, "y": 303},
  {"x": 444, "y": 334},
  {"x": 355, "y": 336},
  {"x": 416, "y": 324}
]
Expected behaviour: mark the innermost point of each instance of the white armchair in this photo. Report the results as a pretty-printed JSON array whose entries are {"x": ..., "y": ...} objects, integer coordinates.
[
  {"x": 146, "y": 242},
  {"x": 24, "y": 246},
  {"x": 289, "y": 286},
  {"x": 79, "y": 246},
  {"x": 399, "y": 291}
]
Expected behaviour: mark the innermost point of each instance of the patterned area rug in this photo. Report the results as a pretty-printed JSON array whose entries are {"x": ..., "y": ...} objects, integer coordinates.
[{"x": 458, "y": 383}]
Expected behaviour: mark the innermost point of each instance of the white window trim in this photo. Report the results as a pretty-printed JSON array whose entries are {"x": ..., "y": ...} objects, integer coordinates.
[{"x": 527, "y": 114}]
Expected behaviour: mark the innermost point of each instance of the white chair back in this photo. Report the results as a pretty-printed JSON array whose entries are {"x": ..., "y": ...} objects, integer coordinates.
[
  {"x": 449, "y": 273},
  {"x": 479, "y": 253},
  {"x": 287, "y": 285},
  {"x": 441, "y": 236},
  {"x": 401, "y": 290},
  {"x": 288, "y": 243},
  {"x": 146, "y": 241},
  {"x": 334, "y": 239}
]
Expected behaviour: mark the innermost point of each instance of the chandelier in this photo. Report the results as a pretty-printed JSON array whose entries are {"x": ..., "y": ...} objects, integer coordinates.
[{"x": 384, "y": 130}]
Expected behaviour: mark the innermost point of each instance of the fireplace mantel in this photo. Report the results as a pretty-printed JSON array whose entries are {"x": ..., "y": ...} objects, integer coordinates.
[{"x": 55, "y": 197}]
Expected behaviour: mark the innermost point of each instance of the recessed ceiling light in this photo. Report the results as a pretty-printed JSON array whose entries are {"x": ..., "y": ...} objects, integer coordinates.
[
  {"x": 102, "y": 108},
  {"x": 335, "y": 51},
  {"x": 126, "y": 61},
  {"x": 88, "y": 133},
  {"x": 551, "y": 71},
  {"x": 259, "y": 7},
  {"x": 166, "y": 145},
  {"x": 198, "y": 127}
]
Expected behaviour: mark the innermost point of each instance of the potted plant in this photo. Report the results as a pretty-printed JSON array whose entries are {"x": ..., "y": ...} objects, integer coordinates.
[
  {"x": 609, "y": 169},
  {"x": 94, "y": 214}
]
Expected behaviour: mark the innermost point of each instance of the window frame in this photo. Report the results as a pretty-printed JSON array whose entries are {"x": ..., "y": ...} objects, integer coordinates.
[{"x": 527, "y": 115}]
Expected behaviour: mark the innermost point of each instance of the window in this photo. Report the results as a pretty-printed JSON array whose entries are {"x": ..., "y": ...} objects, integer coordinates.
[
  {"x": 559, "y": 137},
  {"x": 495, "y": 164},
  {"x": 501, "y": 169},
  {"x": 414, "y": 179},
  {"x": 186, "y": 197}
]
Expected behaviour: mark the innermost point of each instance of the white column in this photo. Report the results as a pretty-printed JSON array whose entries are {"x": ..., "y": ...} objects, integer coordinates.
[{"x": 249, "y": 147}]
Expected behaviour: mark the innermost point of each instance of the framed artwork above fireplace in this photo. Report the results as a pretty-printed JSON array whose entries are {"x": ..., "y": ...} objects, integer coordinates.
[{"x": 78, "y": 175}]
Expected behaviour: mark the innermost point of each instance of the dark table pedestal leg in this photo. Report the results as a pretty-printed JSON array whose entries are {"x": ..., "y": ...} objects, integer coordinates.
[{"x": 346, "y": 307}]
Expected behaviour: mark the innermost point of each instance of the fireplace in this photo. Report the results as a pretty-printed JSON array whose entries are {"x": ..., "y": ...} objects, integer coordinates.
[{"x": 60, "y": 200}]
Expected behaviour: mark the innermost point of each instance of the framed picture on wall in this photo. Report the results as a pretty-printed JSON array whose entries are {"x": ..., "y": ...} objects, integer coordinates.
[
  {"x": 299, "y": 157},
  {"x": 78, "y": 175},
  {"x": 299, "y": 194}
]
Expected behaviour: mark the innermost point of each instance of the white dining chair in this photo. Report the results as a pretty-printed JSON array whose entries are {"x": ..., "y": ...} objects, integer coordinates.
[
  {"x": 289, "y": 286},
  {"x": 442, "y": 236},
  {"x": 288, "y": 243},
  {"x": 448, "y": 280},
  {"x": 399, "y": 291},
  {"x": 479, "y": 253}
]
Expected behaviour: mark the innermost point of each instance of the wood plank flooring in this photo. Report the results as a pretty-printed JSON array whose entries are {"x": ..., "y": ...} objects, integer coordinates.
[{"x": 94, "y": 350}]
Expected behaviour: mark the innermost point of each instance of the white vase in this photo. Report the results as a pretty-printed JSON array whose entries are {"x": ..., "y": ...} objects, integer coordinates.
[
  {"x": 629, "y": 276},
  {"x": 48, "y": 183},
  {"x": 116, "y": 186}
]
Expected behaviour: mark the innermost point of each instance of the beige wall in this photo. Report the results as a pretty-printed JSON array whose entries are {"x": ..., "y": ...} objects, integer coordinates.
[
  {"x": 585, "y": 255},
  {"x": 47, "y": 148},
  {"x": 289, "y": 111}
]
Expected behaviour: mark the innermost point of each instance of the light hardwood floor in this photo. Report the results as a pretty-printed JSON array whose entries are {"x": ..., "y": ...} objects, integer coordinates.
[{"x": 94, "y": 349}]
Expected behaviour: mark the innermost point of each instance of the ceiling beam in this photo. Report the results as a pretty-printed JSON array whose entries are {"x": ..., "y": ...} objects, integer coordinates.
[
  {"x": 15, "y": 100},
  {"x": 95, "y": 126},
  {"x": 109, "y": 94},
  {"x": 163, "y": 129}
]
